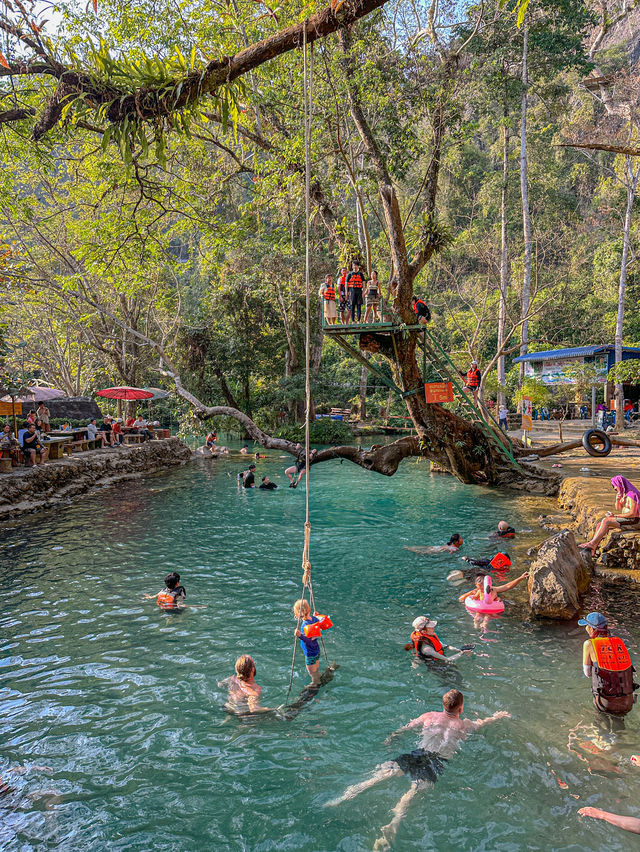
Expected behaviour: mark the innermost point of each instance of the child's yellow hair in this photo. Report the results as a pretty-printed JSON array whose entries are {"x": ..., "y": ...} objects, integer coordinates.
[{"x": 301, "y": 609}]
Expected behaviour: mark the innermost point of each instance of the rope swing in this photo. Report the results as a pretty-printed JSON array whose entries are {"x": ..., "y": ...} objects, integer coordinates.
[{"x": 307, "y": 84}]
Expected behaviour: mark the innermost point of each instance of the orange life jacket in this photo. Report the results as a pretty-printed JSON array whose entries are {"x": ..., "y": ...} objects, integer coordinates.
[
  {"x": 500, "y": 561},
  {"x": 165, "y": 600},
  {"x": 612, "y": 674},
  {"x": 418, "y": 636},
  {"x": 329, "y": 293},
  {"x": 356, "y": 281},
  {"x": 418, "y": 302},
  {"x": 611, "y": 653},
  {"x": 473, "y": 378}
]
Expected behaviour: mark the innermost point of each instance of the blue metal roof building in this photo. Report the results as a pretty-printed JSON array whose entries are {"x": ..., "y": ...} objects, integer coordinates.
[{"x": 580, "y": 352}]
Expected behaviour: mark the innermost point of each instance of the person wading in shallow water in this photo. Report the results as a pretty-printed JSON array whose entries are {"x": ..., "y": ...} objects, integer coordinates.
[
  {"x": 606, "y": 660},
  {"x": 442, "y": 733}
]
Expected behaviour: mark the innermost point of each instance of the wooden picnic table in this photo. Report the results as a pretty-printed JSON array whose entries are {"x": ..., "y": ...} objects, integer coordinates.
[
  {"x": 75, "y": 438},
  {"x": 56, "y": 445},
  {"x": 77, "y": 434}
]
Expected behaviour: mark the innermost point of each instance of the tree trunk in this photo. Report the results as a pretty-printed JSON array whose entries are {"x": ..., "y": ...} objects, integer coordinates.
[
  {"x": 631, "y": 183},
  {"x": 504, "y": 262},
  {"x": 526, "y": 214}
]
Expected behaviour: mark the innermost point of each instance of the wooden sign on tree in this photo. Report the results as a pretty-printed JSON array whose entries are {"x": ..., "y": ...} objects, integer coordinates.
[{"x": 438, "y": 392}]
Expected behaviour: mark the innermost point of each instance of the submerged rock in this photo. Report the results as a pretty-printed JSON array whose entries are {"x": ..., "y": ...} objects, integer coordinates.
[{"x": 558, "y": 577}]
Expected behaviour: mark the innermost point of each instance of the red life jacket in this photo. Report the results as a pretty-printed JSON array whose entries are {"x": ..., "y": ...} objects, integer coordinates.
[
  {"x": 418, "y": 302},
  {"x": 418, "y": 636},
  {"x": 356, "y": 281},
  {"x": 329, "y": 293},
  {"x": 612, "y": 674},
  {"x": 473, "y": 378},
  {"x": 342, "y": 287}
]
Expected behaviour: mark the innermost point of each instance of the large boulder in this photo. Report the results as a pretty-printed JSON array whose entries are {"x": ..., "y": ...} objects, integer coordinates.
[{"x": 558, "y": 577}]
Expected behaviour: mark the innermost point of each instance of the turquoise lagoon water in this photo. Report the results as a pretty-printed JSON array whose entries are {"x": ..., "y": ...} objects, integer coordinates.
[{"x": 121, "y": 701}]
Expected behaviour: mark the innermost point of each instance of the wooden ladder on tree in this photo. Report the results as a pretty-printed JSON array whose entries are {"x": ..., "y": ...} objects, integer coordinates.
[{"x": 479, "y": 415}]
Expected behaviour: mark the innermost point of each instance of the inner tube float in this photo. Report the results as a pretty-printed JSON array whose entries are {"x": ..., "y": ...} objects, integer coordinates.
[
  {"x": 485, "y": 605},
  {"x": 596, "y": 442}
]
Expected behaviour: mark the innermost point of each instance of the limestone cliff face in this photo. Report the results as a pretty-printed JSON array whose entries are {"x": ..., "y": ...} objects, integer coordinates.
[{"x": 30, "y": 489}]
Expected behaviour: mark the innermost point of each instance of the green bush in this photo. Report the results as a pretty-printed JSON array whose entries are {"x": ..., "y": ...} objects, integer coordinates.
[{"x": 323, "y": 431}]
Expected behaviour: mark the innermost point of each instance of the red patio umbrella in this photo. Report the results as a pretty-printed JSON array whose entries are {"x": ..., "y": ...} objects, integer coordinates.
[{"x": 125, "y": 393}]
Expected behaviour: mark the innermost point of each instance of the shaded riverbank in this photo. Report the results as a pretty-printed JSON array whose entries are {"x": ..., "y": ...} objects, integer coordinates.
[{"x": 31, "y": 489}]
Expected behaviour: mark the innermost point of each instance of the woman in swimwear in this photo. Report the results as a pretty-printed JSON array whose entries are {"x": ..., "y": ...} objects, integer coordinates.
[
  {"x": 452, "y": 546},
  {"x": 244, "y": 693},
  {"x": 627, "y": 512}
]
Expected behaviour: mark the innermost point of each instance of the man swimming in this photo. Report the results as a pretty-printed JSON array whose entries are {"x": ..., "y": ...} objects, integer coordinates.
[
  {"x": 442, "y": 733},
  {"x": 503, "y": 531}
]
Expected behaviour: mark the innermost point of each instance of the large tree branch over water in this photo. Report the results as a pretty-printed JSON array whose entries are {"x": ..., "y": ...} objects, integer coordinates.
[{"x": 153, "y": 102}]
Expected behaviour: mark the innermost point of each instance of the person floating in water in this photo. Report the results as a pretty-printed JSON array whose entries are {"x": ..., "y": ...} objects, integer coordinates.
[
  {"x": 245, "y": 450},
  {"x": 503, "y": 531},
  {"x": 452, "y": 546},
  {"x": 173, "y": 593},
  {"x": 308, "y": 633},
  {"x": 244, "y": 693},
  {"x": 627, "y": 507},
  {"x": 478, "y": 592},
  {"x": 606, "y": 660},
  {"x": 441, "y": 734},
  {"x": 501, "y": 562},
  {"x": 267, "y": 485},
  {"x": 247, "y": 478},
  {"x": 426, "y": 644}
]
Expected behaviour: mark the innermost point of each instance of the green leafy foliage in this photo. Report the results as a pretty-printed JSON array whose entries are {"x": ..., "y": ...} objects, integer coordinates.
[{"x": 323, "y": 431}]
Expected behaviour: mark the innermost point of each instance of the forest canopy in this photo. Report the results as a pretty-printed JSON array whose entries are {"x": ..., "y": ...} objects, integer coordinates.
[{"x": 152, "y": 189}]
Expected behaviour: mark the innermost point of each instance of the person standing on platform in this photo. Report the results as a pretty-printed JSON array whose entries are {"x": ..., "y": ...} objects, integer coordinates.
[
  {"x": 343, "y": 302},
  {"x": 327, "y": 293},
  {"x": 355, "y": 283}
]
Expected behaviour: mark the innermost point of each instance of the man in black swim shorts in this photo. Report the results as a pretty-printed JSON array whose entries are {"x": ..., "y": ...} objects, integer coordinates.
[{"x": 442, "y": 733}]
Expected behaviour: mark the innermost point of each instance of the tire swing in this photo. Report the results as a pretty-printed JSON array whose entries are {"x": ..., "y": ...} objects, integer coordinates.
[{"x": 597, "y": 443}]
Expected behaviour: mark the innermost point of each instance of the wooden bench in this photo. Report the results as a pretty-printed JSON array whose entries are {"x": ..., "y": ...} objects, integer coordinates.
[
  {"x": 70, "y": 447},
  {"x": 133, "y": 438}
]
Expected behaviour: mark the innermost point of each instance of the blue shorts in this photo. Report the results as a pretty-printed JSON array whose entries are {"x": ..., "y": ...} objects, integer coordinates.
[{"x": 311, "y": 661}]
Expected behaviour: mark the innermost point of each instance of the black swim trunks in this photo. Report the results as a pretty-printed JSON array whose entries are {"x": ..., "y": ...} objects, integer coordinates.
[
  {"x": 628, "y": 522},
  {"x": 421, "y": 765}
]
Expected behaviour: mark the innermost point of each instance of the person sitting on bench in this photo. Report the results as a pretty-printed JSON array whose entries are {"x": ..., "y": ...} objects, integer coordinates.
[
  {"x": 8, "y": 444},
  {"x": 141, "y": 425},
  {"x": 31, "y": 446}
]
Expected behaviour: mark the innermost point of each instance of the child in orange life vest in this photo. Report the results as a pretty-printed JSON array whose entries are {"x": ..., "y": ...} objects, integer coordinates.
[
  {"x": 307, "y": 635},
  {"x": 172, "y": 594},
  {"x": 426, "y": 643}
]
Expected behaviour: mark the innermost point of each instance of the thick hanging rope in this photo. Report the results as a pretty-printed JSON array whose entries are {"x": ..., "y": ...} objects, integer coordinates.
[{"x": 307, "y": 84}]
